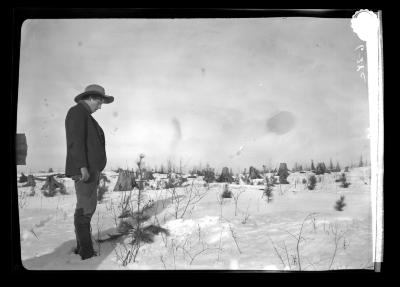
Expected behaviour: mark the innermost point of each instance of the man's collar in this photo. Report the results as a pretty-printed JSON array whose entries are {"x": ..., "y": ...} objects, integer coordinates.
[{"x": 83, "y": 103}]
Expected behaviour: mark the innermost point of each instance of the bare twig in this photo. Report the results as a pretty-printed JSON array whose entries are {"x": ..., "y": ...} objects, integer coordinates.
[
  {"x": 287, "y": 255},
  {"x": 33, "y": 232},
  {"x": 219, "y": 247},
  {"x": 236, "y": 196},
  {"x": 337, "y": 237},
  {"x": 220, "y": 201},
  {"x": 234, "y": 238},
  {"x": 204, "y": 248},
  {"x": 162, "y": 260},
  {"x": 299, "y": 237},
  {"x": 246, "y": 215},
  {"x": 277, "y": 252}
]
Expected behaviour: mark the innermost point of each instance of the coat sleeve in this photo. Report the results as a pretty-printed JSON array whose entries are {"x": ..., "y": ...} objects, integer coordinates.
[{"x": 76, "y": 124}]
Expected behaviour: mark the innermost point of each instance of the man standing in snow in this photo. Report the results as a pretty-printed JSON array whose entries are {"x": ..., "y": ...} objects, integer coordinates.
[{"x": 86, "y": 158}]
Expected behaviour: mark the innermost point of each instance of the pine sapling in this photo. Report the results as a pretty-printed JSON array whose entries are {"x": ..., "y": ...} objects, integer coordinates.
[
  {"x": 340, "y": 203},
  {"x": 236, "y": 196},
  {"x": 268, "y": 192},
  {"x": 343, "y": 181},
  {"x": 312, "y": 181},
  {"x": 226, "y": 193}
]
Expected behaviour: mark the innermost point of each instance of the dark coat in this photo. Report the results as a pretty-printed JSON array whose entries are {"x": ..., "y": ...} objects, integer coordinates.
[{"x": 85, "y": 141}]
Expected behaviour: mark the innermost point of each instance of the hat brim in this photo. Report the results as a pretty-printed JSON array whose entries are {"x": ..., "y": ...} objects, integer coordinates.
[{"x": 106, "y": 99}]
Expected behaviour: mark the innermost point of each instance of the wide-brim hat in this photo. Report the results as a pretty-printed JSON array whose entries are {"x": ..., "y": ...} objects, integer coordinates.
[{"x": 94, "y": 90}]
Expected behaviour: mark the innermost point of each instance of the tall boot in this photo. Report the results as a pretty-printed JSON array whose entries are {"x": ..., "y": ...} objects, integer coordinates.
[
  {"x": 82, "y": 230},
  {"x": 76, "y": 249},
  {"x": 77, "y": 216}
]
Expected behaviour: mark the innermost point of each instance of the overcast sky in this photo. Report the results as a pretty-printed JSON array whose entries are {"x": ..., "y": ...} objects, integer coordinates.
[{"x": 228, "y": 92}]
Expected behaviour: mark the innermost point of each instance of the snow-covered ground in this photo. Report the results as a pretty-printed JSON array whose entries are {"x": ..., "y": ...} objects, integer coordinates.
[{"x": 210, "y": 233}]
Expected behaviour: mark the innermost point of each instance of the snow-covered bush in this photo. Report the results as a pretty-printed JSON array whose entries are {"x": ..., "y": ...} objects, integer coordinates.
[{"x": 52, "y": 186}]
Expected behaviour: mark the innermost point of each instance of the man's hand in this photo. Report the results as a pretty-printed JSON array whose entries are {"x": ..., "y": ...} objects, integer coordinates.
[{"x": 85, "y": 174}]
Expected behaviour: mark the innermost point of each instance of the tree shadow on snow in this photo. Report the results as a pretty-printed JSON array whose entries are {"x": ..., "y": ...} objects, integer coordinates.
[{"x": 63, "y": 258}]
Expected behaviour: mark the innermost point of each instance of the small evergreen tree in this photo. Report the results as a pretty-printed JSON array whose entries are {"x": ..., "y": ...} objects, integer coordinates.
[
  {"x": 361, "y": 164},
  {"x": 330, "y": 165},
  {"x": 268, "y": 191},
  {"x": 169, "y": 166},
  {"x": 321, "y": 169},
  {"x": 340, "y": 204},
  {"x": 343, "y": 181},
  {"x": 312, "y": 166},
  {"x": 337, "y": 168},
  {"x": 312, "y": 181},
  {"x": 209, "y": 175},
  {"x": 283, "y": 173},
  {"x": 134, "y": 225},
  {"x": 226, "y": 193},
  {"x": 51, "y": 187}
]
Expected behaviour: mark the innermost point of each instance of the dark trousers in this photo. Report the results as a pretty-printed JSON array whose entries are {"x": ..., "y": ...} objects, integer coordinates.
[{"x": 86, "y": 195}]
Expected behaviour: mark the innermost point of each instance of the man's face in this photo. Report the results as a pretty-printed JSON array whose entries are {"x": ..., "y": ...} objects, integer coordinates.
[{"x": 95, "y": 104}]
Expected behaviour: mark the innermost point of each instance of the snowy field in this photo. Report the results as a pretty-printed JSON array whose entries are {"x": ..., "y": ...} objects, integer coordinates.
[{"x": 298, "y": 230}]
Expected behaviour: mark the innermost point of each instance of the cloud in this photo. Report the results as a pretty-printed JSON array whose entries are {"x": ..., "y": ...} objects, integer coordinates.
[{"x": 281, "y": 123}]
